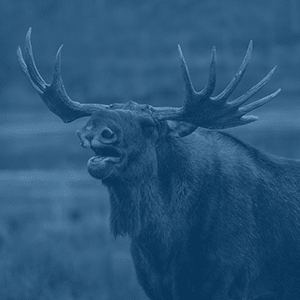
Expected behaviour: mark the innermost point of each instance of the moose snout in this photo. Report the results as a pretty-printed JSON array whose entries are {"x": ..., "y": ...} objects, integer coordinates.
[{"x": 97, "y": 138}]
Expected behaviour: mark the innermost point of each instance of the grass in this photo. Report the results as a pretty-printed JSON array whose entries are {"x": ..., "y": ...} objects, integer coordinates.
[{"x": 55, "y": 241}]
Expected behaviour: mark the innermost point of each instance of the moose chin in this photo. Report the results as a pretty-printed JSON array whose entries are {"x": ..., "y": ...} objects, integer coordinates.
[{"x": 209, "y": 217}]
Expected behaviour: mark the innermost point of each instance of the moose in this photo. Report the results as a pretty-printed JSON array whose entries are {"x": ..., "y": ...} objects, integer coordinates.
[{"x": 209, "y": 217}]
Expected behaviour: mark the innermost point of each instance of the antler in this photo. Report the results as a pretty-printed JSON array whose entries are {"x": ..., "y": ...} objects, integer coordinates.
[
  {"x": 203, "y": 110},
  {"x": 214, "y": 112},
  {"x": 53, "y": 95}
]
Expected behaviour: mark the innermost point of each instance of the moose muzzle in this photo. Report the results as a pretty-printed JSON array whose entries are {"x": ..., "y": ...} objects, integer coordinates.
[
  {"x": 102, "y": 141},
  {"x": 92, "y": 139}
]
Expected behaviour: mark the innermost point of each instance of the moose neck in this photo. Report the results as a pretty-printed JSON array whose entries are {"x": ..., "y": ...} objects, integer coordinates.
[{"x": 147, "y": 204}]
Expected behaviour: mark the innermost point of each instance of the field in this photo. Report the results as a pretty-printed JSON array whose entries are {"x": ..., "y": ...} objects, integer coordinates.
[{"x": 55, "y": 241}]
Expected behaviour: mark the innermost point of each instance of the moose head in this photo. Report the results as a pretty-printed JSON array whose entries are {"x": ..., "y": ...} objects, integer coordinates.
[{"x": 125, "y": 136}]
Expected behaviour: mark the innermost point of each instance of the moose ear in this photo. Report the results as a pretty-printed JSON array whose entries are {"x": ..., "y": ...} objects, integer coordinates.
[{"x": 180, "y": 129}]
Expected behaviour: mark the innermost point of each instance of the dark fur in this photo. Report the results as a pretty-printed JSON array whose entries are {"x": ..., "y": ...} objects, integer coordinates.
[
  {"x": 209, "y": 217},
  {"x": 216, "y": 220}
]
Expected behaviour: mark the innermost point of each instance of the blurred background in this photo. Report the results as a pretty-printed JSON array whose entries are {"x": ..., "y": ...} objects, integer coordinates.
[{"x": 54, "y": 235}]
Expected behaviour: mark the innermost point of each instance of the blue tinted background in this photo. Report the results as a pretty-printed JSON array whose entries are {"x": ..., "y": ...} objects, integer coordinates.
[{"x": 54, "y": 236}]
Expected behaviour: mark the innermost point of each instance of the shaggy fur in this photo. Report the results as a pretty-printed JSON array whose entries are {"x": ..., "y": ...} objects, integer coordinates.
[{"x": 209, "y": 217}]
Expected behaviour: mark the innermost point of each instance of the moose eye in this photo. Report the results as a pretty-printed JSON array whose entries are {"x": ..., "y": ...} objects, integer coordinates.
[
  {"x": 146, "y": 123},
  {"x": 148, "y": 126}
]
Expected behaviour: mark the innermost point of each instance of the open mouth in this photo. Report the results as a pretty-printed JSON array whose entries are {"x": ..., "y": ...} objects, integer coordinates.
[
  {"x": 106, "y": 154},
  {"x": 106, "y": 162}
]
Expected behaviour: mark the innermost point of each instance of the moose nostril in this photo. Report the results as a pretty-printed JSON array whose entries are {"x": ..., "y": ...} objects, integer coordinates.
[{"x": 107, "y": 133}]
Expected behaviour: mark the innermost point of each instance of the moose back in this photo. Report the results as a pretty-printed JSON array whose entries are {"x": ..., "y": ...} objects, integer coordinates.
[{"x": 209, "y": 217}]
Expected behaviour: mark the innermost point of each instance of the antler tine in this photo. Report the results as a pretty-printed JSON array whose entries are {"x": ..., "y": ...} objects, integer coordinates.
[
  {"x": 188, "y": 85},
  {"x": 29, "y": 60},
  {"x": 216, "y": 112},
  {"x": 25, "y": 70},
  {"x": 57, "y": 81},
  {"x": 191, "y": 94},
  {"x": 211, "y": 83},
  {"x": 57, "y": 78},
  {"x": 53, "y": 95},
  {"x": 28, "y": 65},
  {"x": 247, "y": 108},
  {"x": 246, "y": 96},
  {"x": 223, "y": 96}
]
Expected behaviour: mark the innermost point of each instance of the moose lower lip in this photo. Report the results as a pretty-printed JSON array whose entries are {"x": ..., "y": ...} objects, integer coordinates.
[
  {"x": 102, "y": 166},
  {"x": 103, "y": 159}
]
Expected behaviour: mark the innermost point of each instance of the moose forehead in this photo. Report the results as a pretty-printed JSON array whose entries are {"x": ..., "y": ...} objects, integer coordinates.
[
  {"x": 132, "y": 106},
  {"x": 118, "y": 113}
]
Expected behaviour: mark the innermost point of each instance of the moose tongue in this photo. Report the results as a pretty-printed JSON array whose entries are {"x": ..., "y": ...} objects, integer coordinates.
[
  {"x": 101, "y": 166},
  {"x": 100, "y": 159}
]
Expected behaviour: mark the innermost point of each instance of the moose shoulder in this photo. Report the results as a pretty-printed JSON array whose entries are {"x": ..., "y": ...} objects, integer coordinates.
[{"x": 209, "y": 217}]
